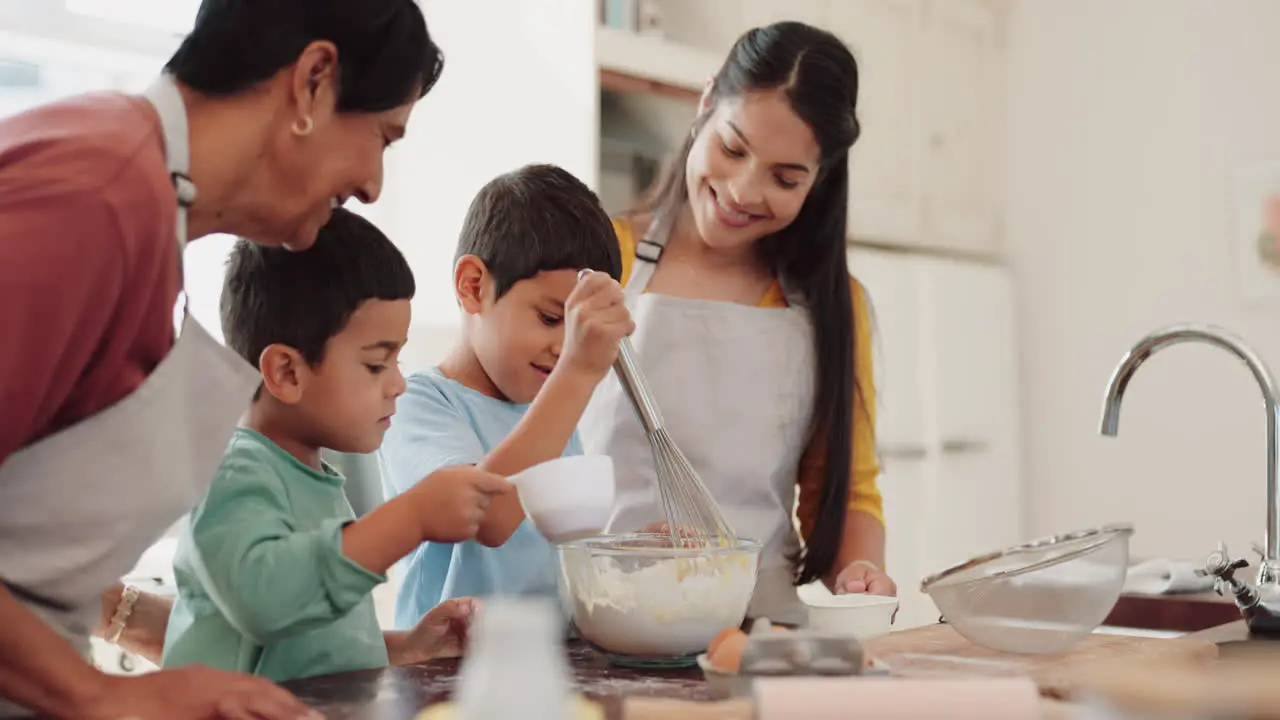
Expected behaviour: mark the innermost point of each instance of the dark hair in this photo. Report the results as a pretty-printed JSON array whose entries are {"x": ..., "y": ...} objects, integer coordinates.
[
  {"x": 301, "y": 299},
  {"x": 819, "y": 77},
  {"x": 535, "y": 219},
  {"x": 386, "y": 58}
]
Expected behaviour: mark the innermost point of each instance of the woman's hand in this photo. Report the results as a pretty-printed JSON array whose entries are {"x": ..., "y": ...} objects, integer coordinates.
[
  {"x": 442, "y": 632},
  {"x": 862, "y": 576},
  {"x": 195, "y": 693}
]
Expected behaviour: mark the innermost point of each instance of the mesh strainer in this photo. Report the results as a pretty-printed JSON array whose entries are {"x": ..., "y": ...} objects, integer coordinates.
[{"x": 1039, "y": 597}]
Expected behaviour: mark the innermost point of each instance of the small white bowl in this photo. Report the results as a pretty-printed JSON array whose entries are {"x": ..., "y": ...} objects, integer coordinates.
[
  {"x": 862, "y": 616},
  {"x": 568, "y": 498}
]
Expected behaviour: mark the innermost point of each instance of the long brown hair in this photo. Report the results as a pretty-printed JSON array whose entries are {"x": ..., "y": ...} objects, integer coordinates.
[{"x": 819, "y": 77}]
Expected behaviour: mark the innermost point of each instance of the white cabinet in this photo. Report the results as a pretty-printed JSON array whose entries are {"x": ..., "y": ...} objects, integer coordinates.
[
  {"x": 891, "y": 287},
  {"x": 962, "y": 109},
  {"x": 884, "y": 173},
  {"x": 928, "y": 169},
  {"x": 971, "y": 362},
  {"x": 947, "y": 403},
  {"x": 903, "y": 484}
]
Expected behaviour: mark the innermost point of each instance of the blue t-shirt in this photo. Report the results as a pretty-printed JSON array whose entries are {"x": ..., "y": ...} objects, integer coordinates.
[{"x": 439, "y": 423}]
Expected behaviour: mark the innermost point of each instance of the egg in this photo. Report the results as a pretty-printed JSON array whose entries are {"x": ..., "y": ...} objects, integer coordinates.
[
  {"x": 719, "y": 638},
  {"x": 728, "y": 654}
]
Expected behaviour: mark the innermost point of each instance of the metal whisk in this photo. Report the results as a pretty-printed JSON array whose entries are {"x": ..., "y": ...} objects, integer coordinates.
[{"x": 694, "y": 519}]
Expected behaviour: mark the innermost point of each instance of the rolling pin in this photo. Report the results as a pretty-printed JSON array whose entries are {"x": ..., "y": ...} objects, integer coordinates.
[{"x": 817, "y": 698}]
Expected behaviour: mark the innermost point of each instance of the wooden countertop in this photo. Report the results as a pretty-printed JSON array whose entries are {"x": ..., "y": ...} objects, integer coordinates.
[{"x": 401, "y": 693}]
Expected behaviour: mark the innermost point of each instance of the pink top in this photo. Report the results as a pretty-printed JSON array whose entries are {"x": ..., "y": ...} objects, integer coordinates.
[{"x": 89, "y": 265}]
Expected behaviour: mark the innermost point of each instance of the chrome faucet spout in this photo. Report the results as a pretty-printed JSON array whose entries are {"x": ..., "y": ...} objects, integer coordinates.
[{"x": 1269, "y": 570}]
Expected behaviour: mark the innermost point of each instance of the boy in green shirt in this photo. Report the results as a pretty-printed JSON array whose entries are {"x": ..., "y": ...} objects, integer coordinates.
[{"x": 274, "y": 573}]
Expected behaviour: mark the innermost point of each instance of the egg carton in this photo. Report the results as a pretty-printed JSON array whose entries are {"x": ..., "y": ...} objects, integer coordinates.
[
  {"x": 794, "y": 653},
  {"x": 800, "y": 652}
]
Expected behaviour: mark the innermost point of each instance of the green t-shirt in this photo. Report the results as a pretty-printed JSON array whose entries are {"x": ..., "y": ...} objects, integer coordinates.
[{"x": 263, "y": 586}]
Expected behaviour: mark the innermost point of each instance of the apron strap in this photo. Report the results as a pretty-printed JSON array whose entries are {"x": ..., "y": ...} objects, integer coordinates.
[
  {"x": 648, "y": 252},
  {"x": 167, "y": 100},
  {"x": 165, "y": 97}
]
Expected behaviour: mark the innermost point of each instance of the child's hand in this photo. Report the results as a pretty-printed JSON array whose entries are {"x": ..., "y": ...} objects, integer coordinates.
[
  {"x": 454, "y": 500},
  {"x": 442, "y": 632},
  {"x": 596, "y": 320}
]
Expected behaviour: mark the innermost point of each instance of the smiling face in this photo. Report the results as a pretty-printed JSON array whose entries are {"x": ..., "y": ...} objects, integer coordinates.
[
  {"x": 341, "y": 159},
  {"x": 750, "y": 169},
  {"x": 517, "y": 338},
  {"x": 315, "y": 156}
]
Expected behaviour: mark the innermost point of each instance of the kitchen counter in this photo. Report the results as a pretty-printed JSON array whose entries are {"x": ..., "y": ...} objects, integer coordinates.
[{"x": 401, "y": 693}]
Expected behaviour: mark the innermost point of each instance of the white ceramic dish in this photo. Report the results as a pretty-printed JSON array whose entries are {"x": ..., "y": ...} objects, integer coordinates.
[
  {"x": 862, "y": 616},
  {"x": 568, "y": 498}
]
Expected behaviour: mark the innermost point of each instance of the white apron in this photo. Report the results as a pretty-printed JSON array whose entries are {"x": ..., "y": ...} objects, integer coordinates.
[
  {"x": 78, "y": 508},
  {"x": 735, "y": 385}
]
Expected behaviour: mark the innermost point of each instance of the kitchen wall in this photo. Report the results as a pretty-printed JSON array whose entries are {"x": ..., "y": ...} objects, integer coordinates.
[
  {"x": 1126, "y": 120},
  {"x": 520, "y": 77}
]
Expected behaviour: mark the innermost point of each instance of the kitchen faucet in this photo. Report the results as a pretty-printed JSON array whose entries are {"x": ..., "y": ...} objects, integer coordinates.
[{"x": 1260, "y": 604}]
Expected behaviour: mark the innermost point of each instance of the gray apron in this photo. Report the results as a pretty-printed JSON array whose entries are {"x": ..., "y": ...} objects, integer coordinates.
[
  {"x": 735, "y": 385},
  {"x": 78, "y": 508}
]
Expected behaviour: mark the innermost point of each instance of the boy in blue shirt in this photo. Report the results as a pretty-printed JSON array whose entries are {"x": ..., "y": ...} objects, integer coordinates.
[
  {"x": 273, "y": 571},
  {"x": 535, "y": 340}
]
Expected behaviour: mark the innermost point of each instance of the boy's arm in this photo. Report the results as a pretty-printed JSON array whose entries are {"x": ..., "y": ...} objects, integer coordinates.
[
  {"x": 401, "y": 649},
  {"x": 442, "y": 632},
  {"x": 428, "y": 433},
  {"x": 596, "y": 320},
  {"x": 445, "y": 506},
  {"x": 396, "y": 641},
  {"x": 268, "y": 578},
  {"x": 541, "y": 435}
]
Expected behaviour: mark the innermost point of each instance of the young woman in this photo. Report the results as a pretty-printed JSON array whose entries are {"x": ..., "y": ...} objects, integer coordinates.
[
  {"x": 268, "y": 114},
  {"x": 750, "y": 330}
]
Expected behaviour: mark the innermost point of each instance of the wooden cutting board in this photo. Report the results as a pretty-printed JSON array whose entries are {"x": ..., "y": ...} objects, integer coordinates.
[{"x": 939, "y": 651}]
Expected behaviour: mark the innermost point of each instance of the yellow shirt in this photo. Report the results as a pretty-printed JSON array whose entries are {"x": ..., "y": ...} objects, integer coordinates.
[{"x": 864, "y": 495}]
